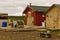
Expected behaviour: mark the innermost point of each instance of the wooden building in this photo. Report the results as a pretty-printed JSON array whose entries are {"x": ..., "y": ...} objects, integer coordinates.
[
  {"x": 3, "y": 19},
  {"x": 53, "y": 17},
  {"x": 35, "y": 15}
]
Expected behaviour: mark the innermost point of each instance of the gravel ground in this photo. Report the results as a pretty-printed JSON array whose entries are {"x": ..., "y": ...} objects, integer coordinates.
[{"x": 24, "y": 36}]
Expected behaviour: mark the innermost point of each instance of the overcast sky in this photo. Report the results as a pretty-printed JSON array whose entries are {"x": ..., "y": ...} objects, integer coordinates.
[{"x": 16, "y": 7}]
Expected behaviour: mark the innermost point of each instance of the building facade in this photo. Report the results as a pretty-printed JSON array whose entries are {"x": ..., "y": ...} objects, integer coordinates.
[
  {"x": 3, "y": 20},
  {"x": 35, "y": 15},
  {"x": 53, "y": 17}
]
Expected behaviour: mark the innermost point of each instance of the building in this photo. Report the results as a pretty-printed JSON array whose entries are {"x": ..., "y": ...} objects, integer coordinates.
[
  {"x": 7, "y": 21},
  {"x": 35, "y": 15},
  {"x": 53, "y": 17},
  {"x": 3, "y": 19}
]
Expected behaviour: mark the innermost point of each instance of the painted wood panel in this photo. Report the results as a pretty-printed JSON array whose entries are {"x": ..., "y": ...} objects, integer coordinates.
[
  {"x": 53, "y": 19},
  {"x": 37, "y": 17}
]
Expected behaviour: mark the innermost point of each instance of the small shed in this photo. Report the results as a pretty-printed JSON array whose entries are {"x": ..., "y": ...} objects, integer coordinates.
[
  {"x": 35, "y": 15},
  {"x": 53, "y": 17},
  {"x": 3, "y": 19}
]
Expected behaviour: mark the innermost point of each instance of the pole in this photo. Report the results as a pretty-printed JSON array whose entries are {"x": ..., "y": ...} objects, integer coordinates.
[{"x": 30, "y": 3}]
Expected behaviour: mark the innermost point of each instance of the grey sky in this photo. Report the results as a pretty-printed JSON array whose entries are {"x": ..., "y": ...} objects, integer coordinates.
[{"x": 16, "y": 7}]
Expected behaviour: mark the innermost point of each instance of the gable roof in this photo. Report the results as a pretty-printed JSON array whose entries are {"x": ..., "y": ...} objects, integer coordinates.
[
  {"x": 38, "y": 8},
  {"x": 56, "y": 5}
]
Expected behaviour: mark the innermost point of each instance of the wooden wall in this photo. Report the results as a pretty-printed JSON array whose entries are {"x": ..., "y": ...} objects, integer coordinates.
[
  {"x": 53, "y": 18},
  {"x": 37, "y": 16},
  {"x": 26, "y": 14}
]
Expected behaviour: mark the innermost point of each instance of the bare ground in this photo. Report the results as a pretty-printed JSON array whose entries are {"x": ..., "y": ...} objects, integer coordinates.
[{"x": 24, "y": 36}]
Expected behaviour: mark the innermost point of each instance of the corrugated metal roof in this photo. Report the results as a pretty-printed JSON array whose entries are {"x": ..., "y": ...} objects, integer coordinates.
[{"x": 40, "y": 8}]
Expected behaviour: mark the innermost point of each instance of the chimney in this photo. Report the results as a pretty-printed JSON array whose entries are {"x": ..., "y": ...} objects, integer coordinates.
[{"x": 30, "y": 4}]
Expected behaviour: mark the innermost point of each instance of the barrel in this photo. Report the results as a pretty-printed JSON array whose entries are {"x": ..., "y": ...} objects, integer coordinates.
[{"x": 4, "y": 24}]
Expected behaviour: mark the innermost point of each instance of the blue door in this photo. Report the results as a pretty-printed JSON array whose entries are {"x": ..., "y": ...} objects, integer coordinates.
[{"x": 4, "y": 24}]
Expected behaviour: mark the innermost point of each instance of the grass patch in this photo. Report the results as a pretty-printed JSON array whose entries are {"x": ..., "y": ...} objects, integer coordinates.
[{"x": 57, "y": 31}]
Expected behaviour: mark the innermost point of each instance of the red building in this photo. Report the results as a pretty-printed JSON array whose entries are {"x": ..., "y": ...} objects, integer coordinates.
[{"x": 37, "y": 12}]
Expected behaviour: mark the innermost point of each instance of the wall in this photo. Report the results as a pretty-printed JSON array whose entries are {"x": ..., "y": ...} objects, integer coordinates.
[
  {"x": 26, "y": 14},
  {"x": 38, "y": 18},
  {"x": 53, "y": 18}
]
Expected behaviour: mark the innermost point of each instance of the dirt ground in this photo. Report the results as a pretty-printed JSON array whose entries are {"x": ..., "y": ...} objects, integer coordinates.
[{"x": 24, "y": 36}]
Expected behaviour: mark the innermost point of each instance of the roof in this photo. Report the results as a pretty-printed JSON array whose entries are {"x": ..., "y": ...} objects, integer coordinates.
[
  {"x": 3, "y": 14},
  {"x": 38, "y": 8},
  {"x": 56, "y": 5}
]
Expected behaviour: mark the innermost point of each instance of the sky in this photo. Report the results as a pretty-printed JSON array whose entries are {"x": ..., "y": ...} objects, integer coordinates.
[{"x": 16, "y": 7}]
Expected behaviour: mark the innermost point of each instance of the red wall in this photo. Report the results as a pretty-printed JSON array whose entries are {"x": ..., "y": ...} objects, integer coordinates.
[{"x": 38, "y": 19}]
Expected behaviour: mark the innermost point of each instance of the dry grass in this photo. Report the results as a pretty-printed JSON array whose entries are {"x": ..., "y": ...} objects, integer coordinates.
[{"x": 24, "y": 36}]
